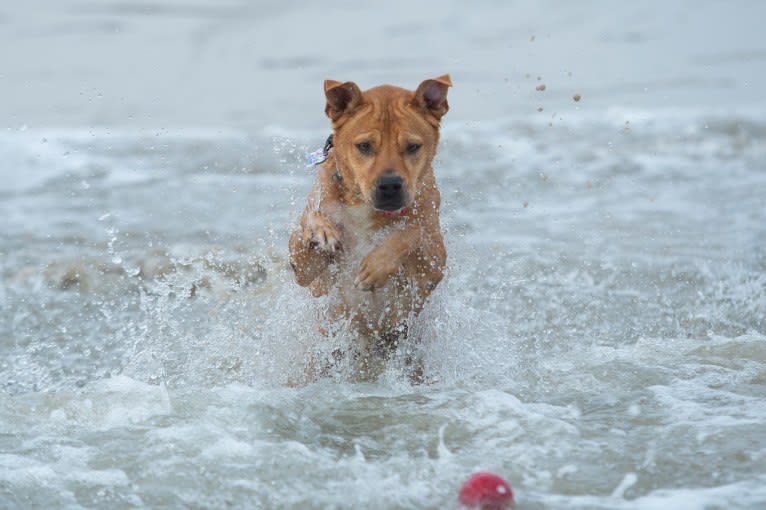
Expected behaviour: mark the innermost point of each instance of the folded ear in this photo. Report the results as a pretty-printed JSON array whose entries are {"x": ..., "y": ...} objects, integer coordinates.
[
  {"x": 341, "y": 97},
  {"x": 432, "y": 95}
]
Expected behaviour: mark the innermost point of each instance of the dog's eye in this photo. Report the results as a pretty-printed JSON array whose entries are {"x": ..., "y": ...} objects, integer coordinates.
[
  {"x": 412, "y": 148},
  {"x": 364, "y": 148}
]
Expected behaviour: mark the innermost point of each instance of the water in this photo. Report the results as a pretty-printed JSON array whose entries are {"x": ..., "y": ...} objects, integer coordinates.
[{"x": 599, "y": 339}]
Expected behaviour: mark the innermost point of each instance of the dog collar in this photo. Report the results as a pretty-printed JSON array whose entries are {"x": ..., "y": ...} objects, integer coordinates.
[{"x": 319, "y": 156}]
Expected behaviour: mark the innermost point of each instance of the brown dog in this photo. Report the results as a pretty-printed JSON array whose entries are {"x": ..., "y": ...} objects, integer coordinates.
[{"x": 370, "y": 234}]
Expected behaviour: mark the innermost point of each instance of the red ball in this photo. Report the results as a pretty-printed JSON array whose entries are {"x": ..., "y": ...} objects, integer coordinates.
[{"x": 486, "y": 492}]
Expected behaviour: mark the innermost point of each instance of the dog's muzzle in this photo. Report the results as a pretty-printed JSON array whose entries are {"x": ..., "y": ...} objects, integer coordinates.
[{"x": 390, "y": 194}]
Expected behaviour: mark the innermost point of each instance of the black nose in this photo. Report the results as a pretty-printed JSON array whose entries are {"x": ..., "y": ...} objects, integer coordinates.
[
  {"x": 389, "y": 192},
  {"x": 389, "y": 186}
]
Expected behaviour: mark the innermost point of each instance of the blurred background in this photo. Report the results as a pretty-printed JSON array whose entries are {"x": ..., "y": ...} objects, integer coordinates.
[{"x": 255, "y": 63}]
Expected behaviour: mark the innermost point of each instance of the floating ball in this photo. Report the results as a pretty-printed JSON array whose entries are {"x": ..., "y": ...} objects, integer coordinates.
[{"x": 486, "y": 491}]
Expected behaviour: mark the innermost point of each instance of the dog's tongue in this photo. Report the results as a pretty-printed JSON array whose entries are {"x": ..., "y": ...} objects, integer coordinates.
[{"x": 399, "y": 212}]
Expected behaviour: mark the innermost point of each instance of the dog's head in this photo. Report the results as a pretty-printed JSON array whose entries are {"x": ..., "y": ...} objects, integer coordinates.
[{"x": 385, "y": 137}]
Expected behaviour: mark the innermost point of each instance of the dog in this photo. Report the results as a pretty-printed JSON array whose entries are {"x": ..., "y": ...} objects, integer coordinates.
[{"x": 370, "y": 237}]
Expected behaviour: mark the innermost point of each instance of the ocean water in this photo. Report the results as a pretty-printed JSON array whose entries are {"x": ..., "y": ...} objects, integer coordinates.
[{"x": 600, "y": 337}]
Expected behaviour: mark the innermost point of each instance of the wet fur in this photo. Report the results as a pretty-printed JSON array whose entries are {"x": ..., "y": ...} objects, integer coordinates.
[{"x": 378, "y": 268}]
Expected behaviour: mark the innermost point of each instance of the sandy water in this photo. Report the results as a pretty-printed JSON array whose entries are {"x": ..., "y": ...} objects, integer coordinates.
[{"x": 598, "y": 340}]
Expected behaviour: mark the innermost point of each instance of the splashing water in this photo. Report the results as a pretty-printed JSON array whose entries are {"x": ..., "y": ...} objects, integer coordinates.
[{"x": 598, "y": 338}]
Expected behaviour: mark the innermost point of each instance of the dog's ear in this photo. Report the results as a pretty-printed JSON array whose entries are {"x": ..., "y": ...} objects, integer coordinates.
[
  {"x": 341, "y": 97},
  {"x": 431, "y": 95}
]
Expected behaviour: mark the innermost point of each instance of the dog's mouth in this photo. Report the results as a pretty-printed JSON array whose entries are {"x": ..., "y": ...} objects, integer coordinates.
[
  {"x": 392, "y": 205},
  {"x": 402, "y": 211},
  {"x": 389, "y": 206}
]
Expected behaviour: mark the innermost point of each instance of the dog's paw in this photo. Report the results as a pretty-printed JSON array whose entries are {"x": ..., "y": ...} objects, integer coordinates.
[
  {"x": 376, "y": 269},
  {"x": 322, "y": 235}
]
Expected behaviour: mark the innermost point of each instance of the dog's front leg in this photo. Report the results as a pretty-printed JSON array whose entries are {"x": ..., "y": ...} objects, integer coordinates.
[
  {"x": 422, "y": 256},
  {"x": 313, "y": 246},
  {"x": 386, "y": 259}
]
